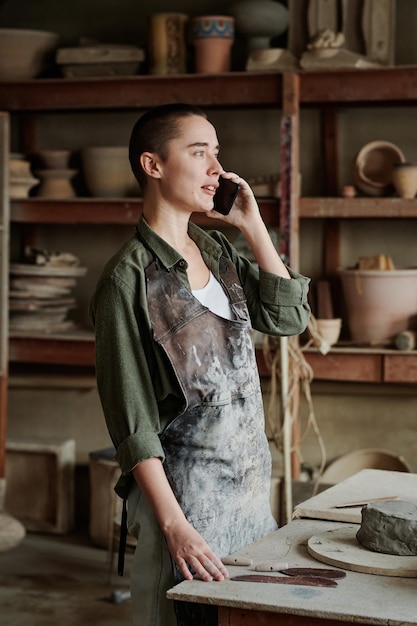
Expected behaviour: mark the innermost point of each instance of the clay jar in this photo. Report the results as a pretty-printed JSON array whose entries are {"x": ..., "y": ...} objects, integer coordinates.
[
  {"x": 212, "y": 37},
  {"x": 404, "y": 178},
  {"x": 166, "y": 43}
]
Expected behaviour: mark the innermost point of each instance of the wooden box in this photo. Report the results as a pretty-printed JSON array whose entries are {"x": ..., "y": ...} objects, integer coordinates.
[
  {"x": 105, "y": 505},
  {"x": 40, "y": 484}
]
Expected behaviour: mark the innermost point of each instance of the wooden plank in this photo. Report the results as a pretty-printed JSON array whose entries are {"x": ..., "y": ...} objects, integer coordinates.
[
  {"x": 290, "y": 166},
  {"x": 244, "y": 617},
  {"x": 50, "y": 350},
  {"x": 401, "y": 368},
  {"x": 331, "y": 152},
  {"x": 121, "y": 211},
  {"x": 366, "y": 484},
  {"x": 358, "y": 208},
  {"x": 77, "y": 211},
  {"x": 4, "y": 279},
  {"x": 357, "y": 598},
  {"x": 359, "y": 86},
  {"x": 324, "y": 300},
  {"x": 365, "y": 368},
  {"x": 232, "y": 89}
]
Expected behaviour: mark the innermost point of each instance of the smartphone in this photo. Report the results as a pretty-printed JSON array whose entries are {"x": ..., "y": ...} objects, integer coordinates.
[{"x": 225, "y": 195}]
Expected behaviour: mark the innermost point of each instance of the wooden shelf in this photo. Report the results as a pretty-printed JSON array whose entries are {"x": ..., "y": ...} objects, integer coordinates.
[
  {"x": 233, "y": 89},
  {"x": 363, "y": 365},
  {"x": 353, "y": 87},
  {"x": 342, "y": 87},
  {"x": 120, "y": 211},
  {"x": 74, "y": 349},
  {"x": 340, "y": 364},
  {"x": 324, "y": 88},
  {"x": 357, "y": 208}
]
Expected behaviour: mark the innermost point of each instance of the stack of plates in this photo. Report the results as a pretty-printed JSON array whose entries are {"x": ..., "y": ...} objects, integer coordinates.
[{"x": 40, "y": 296}]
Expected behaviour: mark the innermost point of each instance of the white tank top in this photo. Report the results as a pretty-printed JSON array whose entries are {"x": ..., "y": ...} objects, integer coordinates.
[{"x": 214, "y": 298}]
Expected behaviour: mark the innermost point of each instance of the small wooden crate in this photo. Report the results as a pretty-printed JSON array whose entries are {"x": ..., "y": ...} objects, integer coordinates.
[
  {"x": 105, "y": 505},
  {"x": 40, "y": 484}
]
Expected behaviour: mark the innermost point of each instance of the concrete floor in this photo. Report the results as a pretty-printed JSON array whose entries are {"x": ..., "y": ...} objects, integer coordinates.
[{"x": 51, "y": 580}]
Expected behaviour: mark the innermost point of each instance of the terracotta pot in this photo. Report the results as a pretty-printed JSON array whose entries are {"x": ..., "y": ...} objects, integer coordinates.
[
  {"x": 166, "y": 43},
  {"x": 212, "y": 37},
  {"x": 107, "y": 172},
  {"x": 404, "y": 177},
  {"x": 380, "y": 304}
]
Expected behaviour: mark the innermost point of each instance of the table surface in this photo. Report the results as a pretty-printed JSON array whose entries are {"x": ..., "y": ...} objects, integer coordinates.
[{"x": 359, "y": 597}]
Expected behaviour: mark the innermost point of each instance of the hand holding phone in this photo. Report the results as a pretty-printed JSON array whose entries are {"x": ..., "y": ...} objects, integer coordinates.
[{"x": 225, "y": 195}]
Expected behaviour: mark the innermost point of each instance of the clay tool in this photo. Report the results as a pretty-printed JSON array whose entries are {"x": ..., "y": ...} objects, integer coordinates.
[
  {"x": 321, "y": 572},
  {"x": 347, "y": 505},
  {"x": 237, "y": 560},
  {"x": 310, "y": 581},
  {"x": 271, "y": 566}
]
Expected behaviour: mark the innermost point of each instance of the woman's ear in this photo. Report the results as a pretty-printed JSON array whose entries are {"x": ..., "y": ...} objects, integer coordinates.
[{"x": 150, "y": 164}]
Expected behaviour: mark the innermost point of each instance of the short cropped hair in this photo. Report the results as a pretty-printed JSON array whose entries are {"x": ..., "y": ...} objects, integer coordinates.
[{"x": 154, "y": 130}]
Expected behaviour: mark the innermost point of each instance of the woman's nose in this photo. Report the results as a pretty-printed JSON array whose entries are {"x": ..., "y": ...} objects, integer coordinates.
[{"x": 216, "y": 168}]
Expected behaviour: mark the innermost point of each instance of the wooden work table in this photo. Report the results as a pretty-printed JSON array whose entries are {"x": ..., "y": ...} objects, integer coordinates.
[{"x": 359, "y": 598}]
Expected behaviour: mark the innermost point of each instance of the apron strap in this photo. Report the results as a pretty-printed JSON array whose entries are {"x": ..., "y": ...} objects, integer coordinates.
[{"x": 122, "y": 540}]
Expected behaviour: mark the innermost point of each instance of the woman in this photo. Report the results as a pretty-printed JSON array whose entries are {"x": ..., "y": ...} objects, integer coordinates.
[{"x": 176, "y": 369}]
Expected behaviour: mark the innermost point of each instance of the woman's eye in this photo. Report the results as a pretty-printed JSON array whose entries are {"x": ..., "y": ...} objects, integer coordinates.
[{"x": 200, "y": 152}]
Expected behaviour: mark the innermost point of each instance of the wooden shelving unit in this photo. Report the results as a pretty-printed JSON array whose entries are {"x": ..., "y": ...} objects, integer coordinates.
[{"x": 288, "y": 94}]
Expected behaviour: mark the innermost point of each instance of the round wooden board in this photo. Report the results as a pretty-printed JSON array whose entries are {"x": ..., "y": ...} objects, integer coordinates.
[{"x": 340, "y": 547}]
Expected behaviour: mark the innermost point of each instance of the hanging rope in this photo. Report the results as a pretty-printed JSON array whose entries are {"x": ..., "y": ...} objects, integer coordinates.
[{"x": 300, "y": 373}]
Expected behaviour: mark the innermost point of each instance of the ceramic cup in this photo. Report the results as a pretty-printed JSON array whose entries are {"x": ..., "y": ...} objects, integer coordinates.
[{"x": 404, "y": 178}]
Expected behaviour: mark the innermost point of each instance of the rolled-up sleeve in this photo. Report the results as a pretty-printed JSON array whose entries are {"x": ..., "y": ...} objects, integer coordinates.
[{"x": 285, "y": 307}]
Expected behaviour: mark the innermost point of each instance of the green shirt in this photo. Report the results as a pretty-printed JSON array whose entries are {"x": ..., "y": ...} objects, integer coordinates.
[{"x": 137, "y": 388}]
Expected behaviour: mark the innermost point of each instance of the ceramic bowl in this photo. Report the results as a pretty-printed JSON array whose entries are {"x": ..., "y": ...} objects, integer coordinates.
[
  {"x": 367, "y": 458},
  {"x": 107, "y": 172},
  {"x": 373, "y": 167},
  {"x": 329, "y": 330},
  {"x": 24, "y": 53},
  {"x": 55, "y": 159}
]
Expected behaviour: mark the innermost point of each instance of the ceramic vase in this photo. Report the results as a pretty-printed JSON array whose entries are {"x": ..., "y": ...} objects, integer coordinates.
[
  {"x": 212, "y": 37},
  {"x": 56, "y": 183},
  {"x": 21, "y": 179},
  {"x": 404, "y": 178},
  {"x": 166, "y": 43},
  {"x": 260, "y": 20}
]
